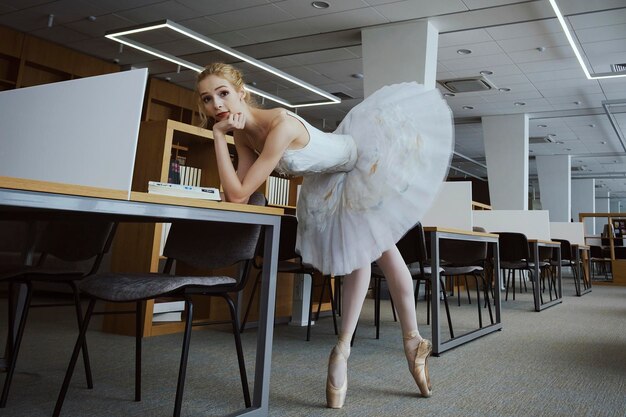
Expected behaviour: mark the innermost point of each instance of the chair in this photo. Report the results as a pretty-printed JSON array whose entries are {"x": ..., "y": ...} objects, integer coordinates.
[
  {"x": 514, "y": 256},
  {"x": 462, "y": 258},
  {"x": 62, "y": 247},
  {"x": 599, "y": 262},
  {"x": 201, "y": 245},
  {"x": 289, "y": 261},
  {"x": 412, "y": 247}
]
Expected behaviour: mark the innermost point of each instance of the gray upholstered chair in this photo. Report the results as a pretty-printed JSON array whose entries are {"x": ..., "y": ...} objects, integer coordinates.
[
  {"x": 67, "y": 252},
  {"x": 412, "y": 247},
  {"x": 202, "y": 245},
  {"x": 290, "y": 262}
]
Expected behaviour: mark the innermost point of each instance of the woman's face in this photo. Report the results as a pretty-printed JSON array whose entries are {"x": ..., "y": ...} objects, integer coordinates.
[{"x": 220, "y": 98}]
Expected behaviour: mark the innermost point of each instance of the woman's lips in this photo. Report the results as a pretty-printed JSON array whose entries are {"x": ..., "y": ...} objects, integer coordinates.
[{"x": 222, "y": 115}]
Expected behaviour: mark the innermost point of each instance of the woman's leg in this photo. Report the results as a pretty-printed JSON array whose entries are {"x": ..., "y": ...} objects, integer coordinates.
[
  {"x": 355, "y": 287},
  {"x": 400, "y": 285}
]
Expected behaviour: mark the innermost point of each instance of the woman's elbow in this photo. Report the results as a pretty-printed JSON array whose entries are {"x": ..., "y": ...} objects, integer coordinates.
[{"x": 239, "y": 199}]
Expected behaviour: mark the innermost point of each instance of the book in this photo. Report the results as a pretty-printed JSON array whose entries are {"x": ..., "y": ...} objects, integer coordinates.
[
  {"x": 168, "y": 316},
  {"x": 168, "y": 306},
  {"x": 179, "y": 190}
]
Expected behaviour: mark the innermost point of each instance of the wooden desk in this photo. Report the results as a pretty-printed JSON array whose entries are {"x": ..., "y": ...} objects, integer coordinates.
[
  {"x": 538, "y": 297},
  {"x": 42, "y": 198},
  {"x": 437, "y": 233}
]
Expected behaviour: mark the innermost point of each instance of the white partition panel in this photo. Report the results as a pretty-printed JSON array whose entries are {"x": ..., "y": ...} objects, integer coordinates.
[
  {"x": 535, "y": 224},
  {"x": 452, "y": 207},
  {"x": 573, "y": 232},
  {"x": 81, "y": 132}
]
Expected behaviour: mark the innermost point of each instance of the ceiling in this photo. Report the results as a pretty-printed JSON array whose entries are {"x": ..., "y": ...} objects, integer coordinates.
[{"x": 520, "y": 42}]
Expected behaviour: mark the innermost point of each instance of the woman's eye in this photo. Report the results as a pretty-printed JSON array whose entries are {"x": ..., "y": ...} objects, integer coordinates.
[
  {"x": 223, "y": 93},
  {"x": 206, "y": 99}
]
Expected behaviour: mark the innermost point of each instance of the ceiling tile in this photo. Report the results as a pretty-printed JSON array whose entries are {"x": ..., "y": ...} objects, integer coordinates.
[
  {"x": 604, "y": 18},
  {"x": 414, "y": 9},
  {"x": 521, "y": 30},
  {"x": 100, "y": 26},
  {"x": 479, "y": 62},
  {"x": 283, "y": 30},
  {"x": 251, "y": 17},
  {"x": 216, "y": 7},
  {"x": 601, "y": 33},
  {"x": 299, "y": 8},
  {"x": 164, "y": 10},
  {"x": 478, "y": 49},
  {"x": 343, "y": 20},
  {"x": 463, "y": 37}
]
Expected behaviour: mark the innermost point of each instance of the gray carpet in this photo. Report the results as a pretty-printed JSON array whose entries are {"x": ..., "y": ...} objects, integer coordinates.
[{"x": 569, "y": 360}]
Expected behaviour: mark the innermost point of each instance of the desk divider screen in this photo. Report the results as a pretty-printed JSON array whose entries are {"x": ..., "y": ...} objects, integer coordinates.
[
  {"x": 452, "y": 207},
  {"x": 573, "y": 232},
  {"x": 81, "y": 132},
  {"x": 535, "y": 224}
]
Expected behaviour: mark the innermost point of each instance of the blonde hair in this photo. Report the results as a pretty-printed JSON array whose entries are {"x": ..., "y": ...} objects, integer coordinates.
[{"x": 230, "y": 74}]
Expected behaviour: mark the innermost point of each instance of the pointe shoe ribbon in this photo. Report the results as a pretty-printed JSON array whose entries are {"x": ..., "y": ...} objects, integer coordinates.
[{"x": 335, "y": 397}]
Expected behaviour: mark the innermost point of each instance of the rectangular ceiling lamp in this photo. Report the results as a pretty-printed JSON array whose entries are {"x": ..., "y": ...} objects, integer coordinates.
[
  {"x": 570, "y": 39},
  {"x": 122, "y": 36}
]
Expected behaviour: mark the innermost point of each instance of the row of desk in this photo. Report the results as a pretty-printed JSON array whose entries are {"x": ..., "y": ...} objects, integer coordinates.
[{"x": 39, "y": 199}]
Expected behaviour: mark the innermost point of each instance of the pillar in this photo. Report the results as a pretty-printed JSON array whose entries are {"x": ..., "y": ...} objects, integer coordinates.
[
  {"x": 554, "y": 174},
  {"x": 506, "y": 151},
  {"x": 584, "y": 201}
]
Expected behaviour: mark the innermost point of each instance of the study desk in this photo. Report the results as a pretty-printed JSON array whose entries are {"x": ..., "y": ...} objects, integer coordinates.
[
  {"x": 537, "y": 295},
  {"x": 41, "y": 199},
  {"x": 436, "y": 234},
  {"x": 583, "y": 272}
]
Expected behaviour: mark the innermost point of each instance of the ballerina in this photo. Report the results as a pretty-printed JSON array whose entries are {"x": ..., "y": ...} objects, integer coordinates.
[{"x": 364, "y": 186}]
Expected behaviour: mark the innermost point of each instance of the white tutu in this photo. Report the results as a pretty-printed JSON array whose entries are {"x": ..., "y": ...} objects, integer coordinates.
[{"x": 404, "y": 137}]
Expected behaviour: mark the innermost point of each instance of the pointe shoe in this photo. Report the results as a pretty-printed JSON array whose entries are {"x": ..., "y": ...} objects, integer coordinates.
[
  {"x": 335, "y": 397},
  {"x": 419, "y": 368}
]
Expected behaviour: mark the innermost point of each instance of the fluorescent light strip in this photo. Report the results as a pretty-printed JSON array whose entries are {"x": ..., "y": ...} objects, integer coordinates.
[
  {"x": 570, "y": 39},
  {"x": 200, "y": 38}
]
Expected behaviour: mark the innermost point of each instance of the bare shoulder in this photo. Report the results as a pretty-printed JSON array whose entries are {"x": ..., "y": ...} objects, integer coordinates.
[{"x": 283, "y": 122}]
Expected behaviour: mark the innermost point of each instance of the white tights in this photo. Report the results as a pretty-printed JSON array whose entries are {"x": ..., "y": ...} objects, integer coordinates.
[{"x": 355, "y": 286}]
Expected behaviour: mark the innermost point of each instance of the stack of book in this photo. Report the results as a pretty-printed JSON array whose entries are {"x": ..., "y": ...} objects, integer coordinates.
[
  {"x": 278, "y": 191},
  {"x": 179, "y": 190},
  {"x": 165, "y": 311}
]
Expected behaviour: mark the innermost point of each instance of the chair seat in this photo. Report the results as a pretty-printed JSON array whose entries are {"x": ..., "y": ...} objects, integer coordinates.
[
  {"x": 461, "y": 270},
  {"x": 294, "y": 268},
  {"x": 414, "y": 269},
  {"x": 39, "y": 273},
  {"x": 132, "y": 287}
]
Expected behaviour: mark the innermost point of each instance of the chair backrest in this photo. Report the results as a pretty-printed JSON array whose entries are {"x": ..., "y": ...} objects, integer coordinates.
[
  {"x": 288, "y": 235},
  {"x": 210, "y": 245},
  {"x": 567, "y": 253},
  {"x": 462, "y": 252},
  {"x": 76, "y": 240},
  {"x": 412, "y": 245},
  {"x": 513, "y": 246}
]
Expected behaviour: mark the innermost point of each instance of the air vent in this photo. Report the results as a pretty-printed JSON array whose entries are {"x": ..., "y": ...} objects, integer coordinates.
[
  {"x": 618, "y": 67},
  {"x": 540, "y": 139},
  {"x": 579, "y": 169},
  {"x": 342, "y": 95},
  {"x": 466, "y": 85}
]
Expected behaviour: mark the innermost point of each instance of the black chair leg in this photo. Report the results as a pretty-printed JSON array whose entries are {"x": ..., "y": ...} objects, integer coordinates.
[
  {"x": 70, "y": 368},
  {"x": 245, "y": 316},
  {"x": 242, "y": 363},
  {"x": 79, "y": 318},
  {"x": 333, "y": 304},
  {"x": 377, "y": 306},
  {"x": 14, "y": 346},
  {"x": 182, "y": 371},
  {"x": 480, "y": 313},
  {"x": 138, "y": 347},
  {"x": 445, "y": 302}
]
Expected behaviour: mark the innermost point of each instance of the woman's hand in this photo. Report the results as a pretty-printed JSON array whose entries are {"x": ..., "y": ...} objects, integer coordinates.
[{"x": 234, "y": 121}]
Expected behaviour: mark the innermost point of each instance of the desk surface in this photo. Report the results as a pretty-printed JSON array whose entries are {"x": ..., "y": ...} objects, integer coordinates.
[
  {"x": 84, "y": 191},
  {"x": 458, "y": 231}
]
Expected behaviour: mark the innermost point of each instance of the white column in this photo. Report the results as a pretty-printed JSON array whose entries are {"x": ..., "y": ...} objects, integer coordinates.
[
  {"x": 584, "y": 201},
  {"x": 602, "y": 206},
  {"x": 399, "y": 52},
  {"x": 506, "y": 150},
  {"x": 555, "y": 173},
  {"x": 616, "y": 206}
]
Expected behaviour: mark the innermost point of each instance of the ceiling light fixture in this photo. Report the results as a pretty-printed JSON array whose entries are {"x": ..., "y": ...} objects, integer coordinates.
[
  {"x": 468, "y": 107},
  {"x": 448, "y": 95},
  {"x": 542, "y": 125},
  {"x": 504, "y": 89},
  {"x": 519, "y": 103},
  {"x": 320, "y": 4},
  {"x": 358, "y": 76},
  {"x": 570, "y": 39},
  {"x": 486, "y": 72},
  {"x": 464, "y": 52},
  {"x": 121, "y": 37}
]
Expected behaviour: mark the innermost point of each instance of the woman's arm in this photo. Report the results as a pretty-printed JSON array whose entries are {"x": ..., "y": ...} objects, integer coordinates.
[{"x": 252, "y": 172}]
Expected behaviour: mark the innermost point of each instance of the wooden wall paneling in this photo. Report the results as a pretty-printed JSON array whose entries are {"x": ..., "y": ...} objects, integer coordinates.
[
  {"x": 151, "y": 147},
  {"x": 11, "y": 42}
]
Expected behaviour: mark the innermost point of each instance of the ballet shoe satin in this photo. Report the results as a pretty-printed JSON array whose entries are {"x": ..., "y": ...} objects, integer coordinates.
[
  {"x": 336, "y": 396},
  {"x": 419, "y": 368}
]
